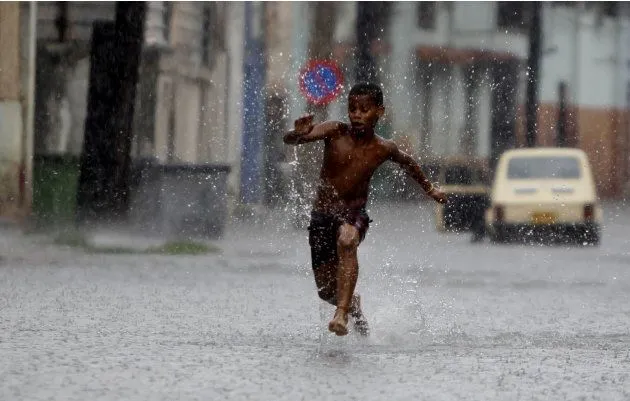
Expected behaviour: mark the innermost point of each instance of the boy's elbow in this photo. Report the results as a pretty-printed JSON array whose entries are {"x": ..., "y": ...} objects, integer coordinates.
[{"x": 288, "y": 140}]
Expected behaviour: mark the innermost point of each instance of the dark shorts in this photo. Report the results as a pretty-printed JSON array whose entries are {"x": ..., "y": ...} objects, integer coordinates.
[{"x": 324, "y": 229}]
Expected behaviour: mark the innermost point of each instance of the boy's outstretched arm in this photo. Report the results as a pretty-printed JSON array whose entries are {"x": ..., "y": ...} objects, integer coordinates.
[
  {"x": 412, "y": 168},
  {"x": 305, "y": 131}
]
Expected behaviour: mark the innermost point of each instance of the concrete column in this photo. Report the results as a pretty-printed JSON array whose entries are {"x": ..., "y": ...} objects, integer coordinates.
[
  {"x": 254, "y": 104},
  {"x": 483, "y": 111},
  {"x": 187, "y": 107},
  {"x": 425, "y": 100},
  {"x": 163, "y": 106},
  {"x": 457, "y": 112},
  {"x": 10, "y": 51},
  {"x": 235, "y": 50},
  {"x": 155, "y": 30},
  {"x": 301, "y": 31},
  {"x": 440, "y": 98},
  {"x": 29, "y": 51},
  {"x": 11, "y": 127}
]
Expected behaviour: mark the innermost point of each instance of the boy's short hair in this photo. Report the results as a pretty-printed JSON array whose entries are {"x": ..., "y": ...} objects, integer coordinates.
[{"x": 370, "y": 89}]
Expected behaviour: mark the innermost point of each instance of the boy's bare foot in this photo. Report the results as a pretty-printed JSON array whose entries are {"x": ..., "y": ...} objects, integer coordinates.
[
  {"x": 339, "y": 324},
  {"x": 360, "y": 322}
]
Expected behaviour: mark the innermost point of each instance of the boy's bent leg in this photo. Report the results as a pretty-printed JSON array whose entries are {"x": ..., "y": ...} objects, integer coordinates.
[
  {"x": 326, "y": 282},
  {"x": 360, "y": 322},
  {"x": 323, "y": 242},
  {"x": 347, "y": 273}
]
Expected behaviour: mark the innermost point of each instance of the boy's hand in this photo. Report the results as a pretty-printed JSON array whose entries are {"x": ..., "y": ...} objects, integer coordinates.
[
  {"x": 438, "y": 195},
  {"x": 304, "y": 124}
]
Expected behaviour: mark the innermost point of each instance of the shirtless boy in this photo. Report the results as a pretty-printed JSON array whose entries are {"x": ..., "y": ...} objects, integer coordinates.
[{"x": 339, "y": 221}]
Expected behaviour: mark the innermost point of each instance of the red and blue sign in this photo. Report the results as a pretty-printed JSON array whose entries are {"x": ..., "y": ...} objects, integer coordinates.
[{"x": 321, "y": 81}]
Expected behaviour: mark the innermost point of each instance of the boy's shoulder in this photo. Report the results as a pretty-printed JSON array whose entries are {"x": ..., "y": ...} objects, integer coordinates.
[{"x": 386, "y": 143}]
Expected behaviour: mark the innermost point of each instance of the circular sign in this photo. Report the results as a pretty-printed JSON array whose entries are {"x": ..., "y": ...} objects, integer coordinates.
[{"x": 321, "y": 81}]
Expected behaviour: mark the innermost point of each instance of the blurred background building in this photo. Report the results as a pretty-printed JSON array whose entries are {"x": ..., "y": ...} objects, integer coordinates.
[{"x": 218, "y": 85}]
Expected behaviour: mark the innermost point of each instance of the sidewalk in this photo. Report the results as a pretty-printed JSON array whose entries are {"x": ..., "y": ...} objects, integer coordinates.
[
  {"x": 264, "y": 235},
  {"x": 271, "y": 233},
  {"x": 17, "y": 246}
]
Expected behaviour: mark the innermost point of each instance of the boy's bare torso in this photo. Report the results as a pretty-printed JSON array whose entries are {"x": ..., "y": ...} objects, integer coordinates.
[{"x": 350, "y": 160}]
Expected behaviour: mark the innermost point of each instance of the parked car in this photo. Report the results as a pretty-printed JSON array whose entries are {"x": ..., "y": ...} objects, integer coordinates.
[
  {"x": 544, "y": 193},
  {"x": 465, "y": 181}
]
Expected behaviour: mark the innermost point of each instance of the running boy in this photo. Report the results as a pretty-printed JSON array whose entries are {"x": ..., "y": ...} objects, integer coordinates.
[{"x": 339, "y": 221}]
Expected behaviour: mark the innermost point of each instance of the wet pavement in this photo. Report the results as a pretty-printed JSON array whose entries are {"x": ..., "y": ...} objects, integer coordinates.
[{"x": 450, "y": 319}]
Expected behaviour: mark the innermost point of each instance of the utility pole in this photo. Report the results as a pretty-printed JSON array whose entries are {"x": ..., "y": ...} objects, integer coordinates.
[
  {"x": 365, "y": 66},
  {"x": 370, "y": 20},
  {"x": 561, "y": 139},
  {"x": 533, "y": 67},
  {"x": 321, "y": 44},
  {"x": 502, "y": 108}
]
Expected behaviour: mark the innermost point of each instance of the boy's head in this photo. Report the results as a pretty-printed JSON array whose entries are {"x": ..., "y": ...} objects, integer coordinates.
[
  {"x": 365, "y": 106},
  {"x": 372, "y": 90}
]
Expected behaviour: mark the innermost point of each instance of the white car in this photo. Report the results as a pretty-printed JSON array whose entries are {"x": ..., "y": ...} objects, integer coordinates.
[{"x": 546, "y": 193}]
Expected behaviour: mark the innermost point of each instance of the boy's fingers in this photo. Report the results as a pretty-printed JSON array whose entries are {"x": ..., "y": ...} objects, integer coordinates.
[{"x": 305, "y": 118}]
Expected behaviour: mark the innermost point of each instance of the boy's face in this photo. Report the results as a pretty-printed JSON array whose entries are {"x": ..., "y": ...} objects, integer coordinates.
[{"x": 363, "y": 112}]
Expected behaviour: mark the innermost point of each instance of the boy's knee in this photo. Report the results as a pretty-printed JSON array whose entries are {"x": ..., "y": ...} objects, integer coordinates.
[
  {"x": 348, "y": 237},
  {"x": 328, "y": 295}
]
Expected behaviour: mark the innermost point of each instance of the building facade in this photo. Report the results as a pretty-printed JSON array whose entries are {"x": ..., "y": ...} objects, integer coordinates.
[
  {"x": 183, "y": 83},
  {"x": 454, "y": 76},
  {"x": 17, "y": 57},
  {"x": 189, "y": 90},
  {"x": 447, "y": 62}
]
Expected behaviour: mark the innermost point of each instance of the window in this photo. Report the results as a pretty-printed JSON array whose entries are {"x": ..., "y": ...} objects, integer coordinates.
[
  {"x": 605, "y": 8},
  {"x": 511, "y": 15},
  {"x": 206, "y": 32},
  {"x": 426, "y": 11},
  {"x": 167, "y": 16},
  {"x": 565, "y": 167},
  {"x": 610, "y": 8},
  {"x": 61, "y": 22}
]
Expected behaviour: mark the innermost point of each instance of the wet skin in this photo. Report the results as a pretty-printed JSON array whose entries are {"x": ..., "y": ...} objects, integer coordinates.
[{"x": 352, "y": 153}]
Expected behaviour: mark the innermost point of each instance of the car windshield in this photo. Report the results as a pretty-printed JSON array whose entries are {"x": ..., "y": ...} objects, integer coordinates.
[{"x": 562, "y": 167}]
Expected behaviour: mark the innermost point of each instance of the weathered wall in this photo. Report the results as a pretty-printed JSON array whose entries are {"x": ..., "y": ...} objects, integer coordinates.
[{"x": 11, "y": 131}]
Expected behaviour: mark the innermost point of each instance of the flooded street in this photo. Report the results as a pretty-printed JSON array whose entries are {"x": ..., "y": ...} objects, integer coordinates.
[
  {"x": 450, "y": 319},
  {"x": 221, "y": 118}
]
